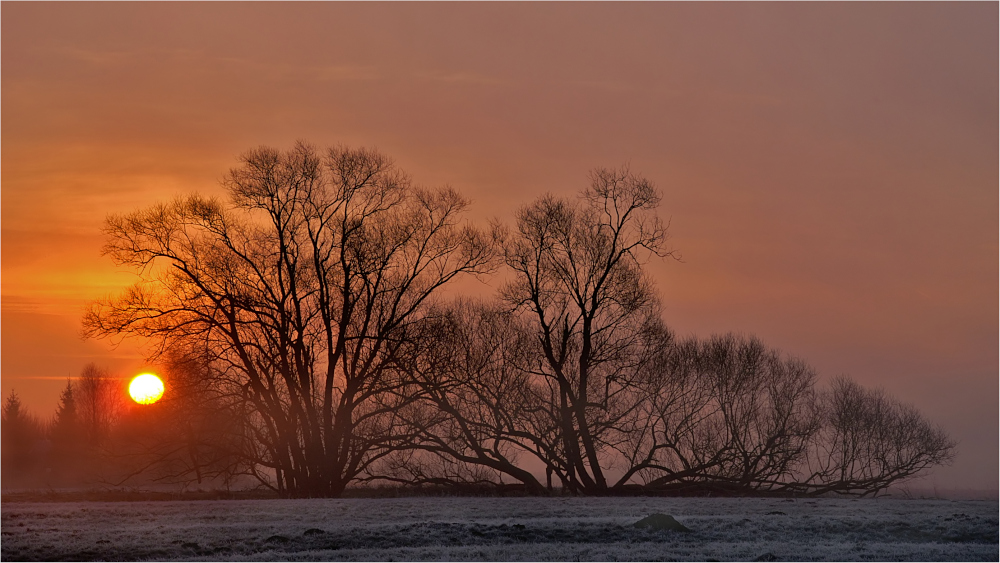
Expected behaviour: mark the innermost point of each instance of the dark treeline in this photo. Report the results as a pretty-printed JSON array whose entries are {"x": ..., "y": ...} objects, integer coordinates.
[
  {"x": 68, "y": 447},
  {"x": 98, "y": 437},
  {"x": 307, "y": 344}
]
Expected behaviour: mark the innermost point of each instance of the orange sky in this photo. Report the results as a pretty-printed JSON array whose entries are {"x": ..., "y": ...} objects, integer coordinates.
[{"x": 830, "y": 170}]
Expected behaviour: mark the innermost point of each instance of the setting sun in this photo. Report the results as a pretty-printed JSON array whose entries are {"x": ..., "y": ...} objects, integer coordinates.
[{"x": 146, "y": 389}]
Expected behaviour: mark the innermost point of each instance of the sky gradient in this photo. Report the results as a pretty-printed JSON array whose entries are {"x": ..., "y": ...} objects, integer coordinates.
[{"x": 830, "y": 171}]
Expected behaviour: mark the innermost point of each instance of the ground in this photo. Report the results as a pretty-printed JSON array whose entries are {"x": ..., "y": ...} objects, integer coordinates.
[{"x": 501, "y": 529}]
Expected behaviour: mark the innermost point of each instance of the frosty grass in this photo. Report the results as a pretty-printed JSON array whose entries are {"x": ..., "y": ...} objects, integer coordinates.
[{"x": 502, "y": 529}]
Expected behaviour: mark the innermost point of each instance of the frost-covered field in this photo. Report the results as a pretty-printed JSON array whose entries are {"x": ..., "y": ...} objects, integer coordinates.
[{"x": 471, "y": 529}]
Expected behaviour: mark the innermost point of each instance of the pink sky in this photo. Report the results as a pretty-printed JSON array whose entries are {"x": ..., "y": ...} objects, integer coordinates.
[{"x": 830, "y": 170}]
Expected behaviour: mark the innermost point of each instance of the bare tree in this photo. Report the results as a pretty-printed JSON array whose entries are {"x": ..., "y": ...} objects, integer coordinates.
[
  {"x": 763, "y": 409},
  {"x": 481, "y": 406},
  {"x": 100, "y": 402},
  {"x": 735, "y": 417},
  {"x": 678, "y": 442},
  {"x": 869, "y": 441},
  {"x": 578, "y": 280},
  {"x": 302, "y": 291}
]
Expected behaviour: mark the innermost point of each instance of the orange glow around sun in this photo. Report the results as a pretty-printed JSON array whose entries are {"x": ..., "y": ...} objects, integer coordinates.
[{"x": 146, "y": 389}]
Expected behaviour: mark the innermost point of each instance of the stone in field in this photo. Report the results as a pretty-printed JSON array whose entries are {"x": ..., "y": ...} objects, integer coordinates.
[{"x": 661, "y": 522}]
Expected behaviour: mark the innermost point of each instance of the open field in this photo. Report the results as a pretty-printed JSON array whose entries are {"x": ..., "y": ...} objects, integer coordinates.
[{"x": 470, "y": 529}]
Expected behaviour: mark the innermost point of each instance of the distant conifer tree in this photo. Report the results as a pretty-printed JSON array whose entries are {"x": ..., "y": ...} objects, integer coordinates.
[
  {"x": 67, "y": 436},
  {"x": 11, "y": 408},
  {"x": 66, "y": 420},
  {"x": 20, "y": 433}
]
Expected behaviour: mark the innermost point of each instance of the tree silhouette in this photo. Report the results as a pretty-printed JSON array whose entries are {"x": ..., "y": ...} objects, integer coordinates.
[
  {"x": 22, "y": 442},
  {"x": 869, "y": 441},
  {"x": 481, "y": 408},
  {"x": 301, "y": 291},
  {"x": 578, "y": 279},
  {"x": 729, "y": 415},
  {"x": 68, "y": 454},
  {"x": 100, "y": 401},
  {"x": 300, "y": 327}
]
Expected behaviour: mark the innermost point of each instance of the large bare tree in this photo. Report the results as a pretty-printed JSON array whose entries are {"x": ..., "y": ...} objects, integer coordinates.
[{"x": 302, "y": 289}]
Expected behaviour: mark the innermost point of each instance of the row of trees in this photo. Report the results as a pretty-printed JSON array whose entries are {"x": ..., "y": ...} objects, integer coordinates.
[
  {"x": 97, "y": 437},
  {"x": 67, "y": 447},
  {"x": 726, "y": 415},
  {"x": 309, "y": 312}
]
